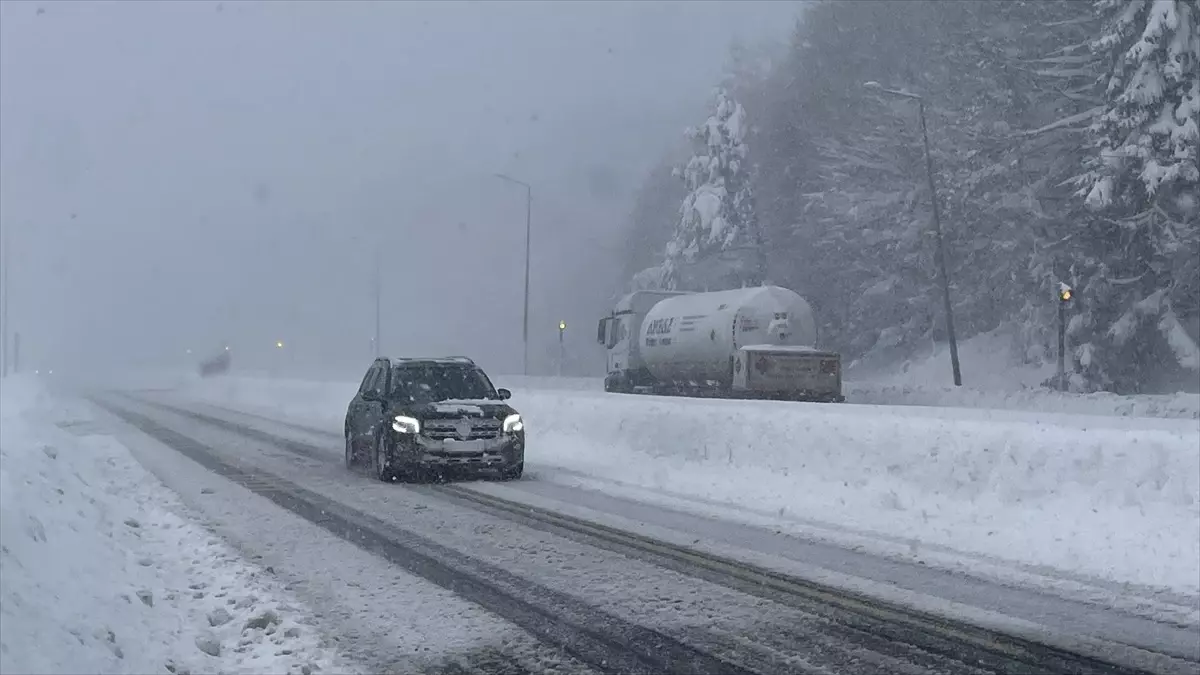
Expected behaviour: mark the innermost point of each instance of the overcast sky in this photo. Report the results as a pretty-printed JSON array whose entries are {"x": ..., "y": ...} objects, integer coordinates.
[{"x": 173, "y": 175}]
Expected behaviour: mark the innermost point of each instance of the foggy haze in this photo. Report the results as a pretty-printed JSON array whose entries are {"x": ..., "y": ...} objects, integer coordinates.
[{"x": 175, "y": 175}]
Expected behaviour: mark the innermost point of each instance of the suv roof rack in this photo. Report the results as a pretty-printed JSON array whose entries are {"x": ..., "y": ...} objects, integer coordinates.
[{"x": 433, "y": 359}]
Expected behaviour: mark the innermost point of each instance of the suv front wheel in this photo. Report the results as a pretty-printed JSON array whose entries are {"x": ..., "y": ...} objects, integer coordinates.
[
  {"x": 383, "y": 462},
  {"x": 351, "y": 460}
]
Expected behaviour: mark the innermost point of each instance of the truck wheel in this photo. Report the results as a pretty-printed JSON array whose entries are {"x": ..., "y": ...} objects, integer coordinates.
[
  {"x": 617, "y": 385},
  {"x": 383, "y": 464}
]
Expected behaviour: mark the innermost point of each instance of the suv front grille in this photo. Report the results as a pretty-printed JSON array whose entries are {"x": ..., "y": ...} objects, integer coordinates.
[{"x": 477, "y": 429}]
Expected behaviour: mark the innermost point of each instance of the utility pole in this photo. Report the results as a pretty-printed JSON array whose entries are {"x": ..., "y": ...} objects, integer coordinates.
[
  {"x": 528, "y": 237},
  {"x": 4, "y": 329},
  {"x": 562, "y": 350},
  {"x": 1065, "y": 294},
  {"x": 943, "y": 273},
  {"x": 525, "y": 311},
  {"x": 378, "y": 283}
]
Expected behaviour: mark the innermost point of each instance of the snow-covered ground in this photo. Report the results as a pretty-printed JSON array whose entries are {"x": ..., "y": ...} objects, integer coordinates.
[
  {"x": 993, "y": 379},
  {"x": 1113, "y": 498},
  {"x": 102, "y": 571}
]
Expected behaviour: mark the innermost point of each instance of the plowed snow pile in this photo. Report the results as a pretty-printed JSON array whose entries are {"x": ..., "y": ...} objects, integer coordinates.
[
  {"x": 1116, "y": 498},
  {"x": 98, "y": 573}
]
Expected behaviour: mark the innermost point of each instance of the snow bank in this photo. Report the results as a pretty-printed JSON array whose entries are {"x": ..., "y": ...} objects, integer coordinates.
[
  {"x": 915, "y": 390},
  {"x": 1121, "y": 503},
  {"x": 987, "y": 364},
  {"x": 1182, "y": 405},
  {"x": 1115, "y": 498},
  {"x": 994, "y": 380},
  {"x": 99, "y": 575},
  {"x": 921, "y": 391}
]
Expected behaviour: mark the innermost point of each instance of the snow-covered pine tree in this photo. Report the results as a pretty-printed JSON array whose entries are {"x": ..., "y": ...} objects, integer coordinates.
[
  {"x": 716, "y": 240},
  {"x": 1148, "y": 133},
  {"x": 1142, "y": 184}
]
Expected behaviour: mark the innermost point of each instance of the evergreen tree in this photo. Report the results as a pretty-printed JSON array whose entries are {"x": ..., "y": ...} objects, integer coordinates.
[
  {"x": 1148, "y": 134},
  {"x": 716, "y": 240},
  {"x": 1142, "y": 183},
  {"x": 1011, "y": 89}
]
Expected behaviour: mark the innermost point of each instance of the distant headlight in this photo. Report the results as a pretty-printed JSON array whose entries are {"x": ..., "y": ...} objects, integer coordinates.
[
  {"x": 513, "y": 423},
  {"x": 406, "y": 425}
]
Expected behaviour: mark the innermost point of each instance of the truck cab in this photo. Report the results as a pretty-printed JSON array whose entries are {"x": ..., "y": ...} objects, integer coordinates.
[{"x": 619, "y": 332}]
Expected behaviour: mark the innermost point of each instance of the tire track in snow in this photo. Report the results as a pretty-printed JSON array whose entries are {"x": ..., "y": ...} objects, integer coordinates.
[
  {"x": 1138, "y": 595},
  {"x": 907, "y": 636},
  {"x": 602, "y": 641}
]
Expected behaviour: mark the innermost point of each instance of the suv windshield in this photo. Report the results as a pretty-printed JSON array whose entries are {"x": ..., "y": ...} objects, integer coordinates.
[{"x": 440, "y": 382}]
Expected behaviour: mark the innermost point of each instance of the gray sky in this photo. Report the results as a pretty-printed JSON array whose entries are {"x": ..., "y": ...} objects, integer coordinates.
[{"x": 177, "y": 174}]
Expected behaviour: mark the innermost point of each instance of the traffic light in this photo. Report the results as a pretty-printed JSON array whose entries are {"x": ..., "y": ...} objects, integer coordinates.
[{"x": 1065, "y": 293}]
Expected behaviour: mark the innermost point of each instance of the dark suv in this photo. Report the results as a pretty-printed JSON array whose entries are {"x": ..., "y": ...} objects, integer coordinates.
[{"x": 414, "y": 417}]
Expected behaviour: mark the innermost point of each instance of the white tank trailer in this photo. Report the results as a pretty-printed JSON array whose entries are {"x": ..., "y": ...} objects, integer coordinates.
[{"x": 755, "y": 342}]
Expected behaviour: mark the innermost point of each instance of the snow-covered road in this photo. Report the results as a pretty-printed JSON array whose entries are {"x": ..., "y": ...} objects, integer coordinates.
[
  {"x": 103, "y": 569},
  {"x": 1078, "y": 607},
  {"x": 646, "y": 615},
  {"x": 312, "y": 458},
  {"x": 420, "y": 578}
]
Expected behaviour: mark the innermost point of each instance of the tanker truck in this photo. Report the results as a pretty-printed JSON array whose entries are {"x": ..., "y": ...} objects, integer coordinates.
[{"x": 755, "y": 342}]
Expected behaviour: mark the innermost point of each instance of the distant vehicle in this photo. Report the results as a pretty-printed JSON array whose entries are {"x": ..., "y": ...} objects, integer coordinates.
[
  {"x": 216, "y": 364},
  {"x": 755, "y": 342},
  {"x": 413, "y": 417}
]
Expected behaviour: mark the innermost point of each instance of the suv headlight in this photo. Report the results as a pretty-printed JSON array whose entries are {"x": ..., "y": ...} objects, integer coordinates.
[
  {"x": 513, "y": 423},
  {"x": 406, "y": 425}
]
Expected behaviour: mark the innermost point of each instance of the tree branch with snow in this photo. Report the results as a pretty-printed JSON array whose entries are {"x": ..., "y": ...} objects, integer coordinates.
[{"x": 717, "y": 221}]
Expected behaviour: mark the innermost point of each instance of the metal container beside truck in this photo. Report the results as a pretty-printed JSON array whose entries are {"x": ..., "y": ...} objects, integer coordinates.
[{"x": 755, "y": 342}]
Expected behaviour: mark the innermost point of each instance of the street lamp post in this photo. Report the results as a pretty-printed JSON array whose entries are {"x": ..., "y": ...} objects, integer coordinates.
[
  {"x": 4, "y": 304},
  {"x": 377, "y": 281},
  {"x": 528, "y": 219},
  {"x": 937, "y": 228},
  {"x": 4, "y": 307},
  {"x": 562, "y": 350}
]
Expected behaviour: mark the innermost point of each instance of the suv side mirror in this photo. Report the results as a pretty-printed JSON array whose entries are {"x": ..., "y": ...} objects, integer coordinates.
[{"x": 504, "y": 394}]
